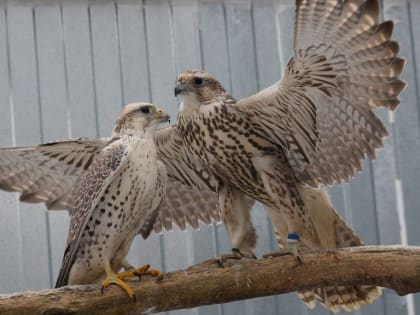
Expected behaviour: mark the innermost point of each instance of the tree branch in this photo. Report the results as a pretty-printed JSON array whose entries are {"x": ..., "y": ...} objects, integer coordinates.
[{"x": 393, "y": 267}]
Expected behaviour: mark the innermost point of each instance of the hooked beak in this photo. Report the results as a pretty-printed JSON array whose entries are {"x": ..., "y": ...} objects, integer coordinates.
[
  {"x": 162, "y": 116},
  {"x": 179, "y": 88}
]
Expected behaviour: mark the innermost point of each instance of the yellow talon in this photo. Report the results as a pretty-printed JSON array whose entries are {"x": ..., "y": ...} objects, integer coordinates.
[
  {"x": 118, "y": 279},
  {"x": 112, "y": 278},
  {"x": 139, "y": 272}
]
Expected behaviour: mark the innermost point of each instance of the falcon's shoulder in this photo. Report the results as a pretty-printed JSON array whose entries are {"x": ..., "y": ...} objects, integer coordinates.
[{"x": 88, "y": 190}]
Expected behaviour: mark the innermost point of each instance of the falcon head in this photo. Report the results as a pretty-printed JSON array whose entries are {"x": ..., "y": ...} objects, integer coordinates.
[
  {"x": 197, "y": 88},
  {"x": 139, "y": 118}
]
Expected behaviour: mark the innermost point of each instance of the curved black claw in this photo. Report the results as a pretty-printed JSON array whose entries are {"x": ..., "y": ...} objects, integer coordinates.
[
  {"x": 238, "y": 251},
  {"x": 138, "y": 273},
  {"x": 223, "y": 258}
]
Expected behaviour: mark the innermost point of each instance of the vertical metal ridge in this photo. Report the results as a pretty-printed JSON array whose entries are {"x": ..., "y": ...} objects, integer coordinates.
[
  {"x": 411, "y": 307},
  {"x": 66, "y": 80},
  {"x": 41, "y": 124},
  {"x": 149, "y": 80},
  {"x": 173, "y": 37},
  {"x": 197, "y": 40},
  {"x": 200, "y": 37},
  {"x": 18, "y": 210},
  {"x": 227, "y": 46},
  {"x": 117, "y": 25},
  {"x": 416, "y": 75},
  {"x": 95, "y": 93},
  {"x": 254, "y": 45}
]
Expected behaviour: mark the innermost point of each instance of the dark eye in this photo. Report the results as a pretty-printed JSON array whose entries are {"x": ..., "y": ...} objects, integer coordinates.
[
  {"x": 145, "y": 110},
  {"x": 198, "y": 80}
]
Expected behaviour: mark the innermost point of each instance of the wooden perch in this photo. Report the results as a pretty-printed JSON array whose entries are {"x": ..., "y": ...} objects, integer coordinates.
[{"x": 393, "y": 267}]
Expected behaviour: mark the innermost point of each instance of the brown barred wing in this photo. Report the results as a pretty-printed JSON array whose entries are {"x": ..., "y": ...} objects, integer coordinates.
[
  {"x": 191, "y": 191},
  {"x": 183, "y": 205},
  {"x": 46, "y": 173},
  {"x": 345, "y": 65},
  {"x": 182, "y": 166}
]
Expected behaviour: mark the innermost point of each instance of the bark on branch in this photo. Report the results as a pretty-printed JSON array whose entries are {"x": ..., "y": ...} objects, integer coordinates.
[{"x": 394, "y": 267}]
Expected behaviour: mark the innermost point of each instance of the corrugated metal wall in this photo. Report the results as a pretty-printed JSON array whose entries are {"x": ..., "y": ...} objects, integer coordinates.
[{"x": 66, "y": 69}]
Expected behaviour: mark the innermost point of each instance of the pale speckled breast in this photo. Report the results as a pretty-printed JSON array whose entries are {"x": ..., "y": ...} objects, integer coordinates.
[
  {"x": 226, "y": 142},
  {"x": 116, "y": 219}
]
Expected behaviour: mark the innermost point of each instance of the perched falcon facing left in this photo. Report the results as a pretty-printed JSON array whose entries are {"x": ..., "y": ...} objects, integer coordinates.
[{"x": 312, "y": 128}]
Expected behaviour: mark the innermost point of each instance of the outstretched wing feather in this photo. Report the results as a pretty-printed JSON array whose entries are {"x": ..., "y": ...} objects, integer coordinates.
[
  {"x": 46, "y": 173},
  {"x": 345, "y": 65}
]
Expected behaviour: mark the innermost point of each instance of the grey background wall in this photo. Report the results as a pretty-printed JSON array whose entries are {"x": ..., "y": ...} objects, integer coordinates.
[{"x": 67, "y": 68}]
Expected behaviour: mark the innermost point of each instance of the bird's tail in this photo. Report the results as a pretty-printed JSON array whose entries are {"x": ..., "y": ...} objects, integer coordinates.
[
  {"x": 340, "y": 297},
  {"x": 333, "y": 233}
]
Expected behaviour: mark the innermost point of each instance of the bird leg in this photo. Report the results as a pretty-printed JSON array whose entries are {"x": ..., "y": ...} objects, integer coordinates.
[
  {"x": 113, "y": 278},
  {"x": 139, "y": 272},
  {"x": 292, "y": 248}
]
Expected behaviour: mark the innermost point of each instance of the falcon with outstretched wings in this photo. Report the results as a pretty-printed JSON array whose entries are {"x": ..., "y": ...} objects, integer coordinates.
[{"x": 312, "y": 128}]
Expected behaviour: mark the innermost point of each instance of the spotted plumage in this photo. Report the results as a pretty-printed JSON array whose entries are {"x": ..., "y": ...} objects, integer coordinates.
[
  {"x": 312, "y": 128},
  {"x": 113, "y": 189},
  {"x": 121, "y": 187}
]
